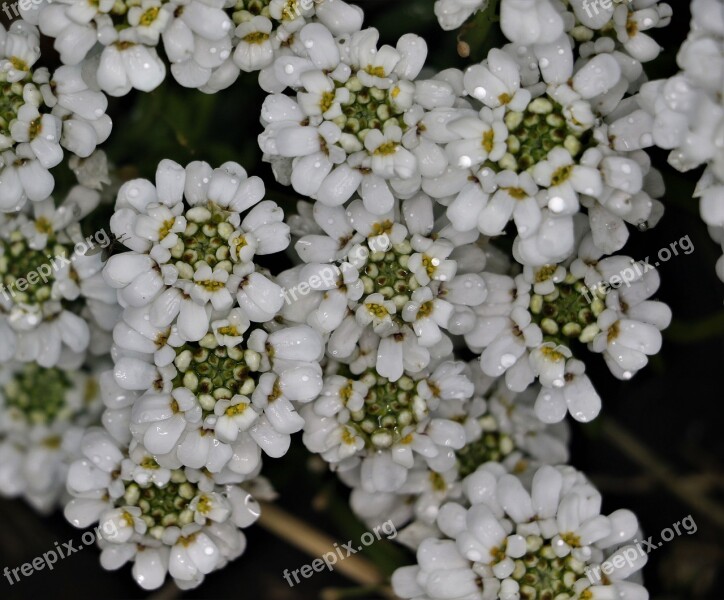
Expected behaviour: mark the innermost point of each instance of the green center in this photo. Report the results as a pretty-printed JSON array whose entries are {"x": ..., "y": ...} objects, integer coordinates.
[
  {"x": 389, "y": 408},
  {"x": 39, "y": 394},
  {"x": 491, "y": 446},
  {"x": 533, "y": 133},
  {"x": 567, "y": 313},
  {"x": 368, "y": 108},
  {"x": 215, "y": 373},
  {"x": 541, "y": 575},
  {"x": 386, "y": 273},
  {"x": 11, "y": 99},
  {"x": 161, "y": 507},
  {"x": 205, "y": 239},
  {"x": 27, "y": 274}
]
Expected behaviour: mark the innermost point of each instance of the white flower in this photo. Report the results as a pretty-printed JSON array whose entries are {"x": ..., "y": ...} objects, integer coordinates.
[
  {"x": 389, "y": 275},
  {"x": 344, "y": 131},
  {"x": 212, "y": 405},
  {"x": 486, "y": 544},
  {"x": 182, "y": 525},
  {"x": 43, "y": 115},
  {"x": 43, "y": 413},
  {"x": 451, "y": 14},
  {"x": 530, "y": 21},
  {"x": 192, "y": 252},
  {"x": 48, "y": 278},
  {"x": 386, "y": 423}
]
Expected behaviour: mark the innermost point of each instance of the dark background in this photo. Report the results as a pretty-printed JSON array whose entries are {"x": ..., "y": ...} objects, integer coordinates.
[{"x": 656, "y": 449}]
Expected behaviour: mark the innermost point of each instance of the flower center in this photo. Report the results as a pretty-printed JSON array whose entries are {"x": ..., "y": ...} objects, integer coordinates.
[
  {"x": 533, "y": 133},
  {"x": 205, "y": 239},
  {"x": 215, "y": 372},
  {"x": 568, "y": 313},
  {"x": 369, "y": 108},
  {"x": 386, "y": 273},
  {"x": 493, "y": 445},
  {"x": 162, "y": 507},
  {"x": 390, "y": 408},
  {"x": 542, "y": 575},
  {"x": 28, "y": 274},
  {"x": 11, "y": 99},
  {"x": 39, "y": 394}
]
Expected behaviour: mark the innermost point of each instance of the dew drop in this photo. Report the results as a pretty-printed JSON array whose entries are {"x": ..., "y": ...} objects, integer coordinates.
[
  {"x": 464, "y": 162},
  {"x": 556, "y": 204},
  {"x": 507, "y": 360}
]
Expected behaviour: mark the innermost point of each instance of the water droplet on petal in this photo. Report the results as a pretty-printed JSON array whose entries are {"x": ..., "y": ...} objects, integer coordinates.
[{"x": 507, "y": 360}]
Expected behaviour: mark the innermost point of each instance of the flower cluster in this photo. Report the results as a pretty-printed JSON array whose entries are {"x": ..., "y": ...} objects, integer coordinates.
[
  {"x": 54, "y": 303},
  {"x": 512, "y": 541},
  {"x": 43, "y": 415},
  {"x": 685, "y": 113},
  {"x": 423, "y": 321},
  {"x": 206, "y": 43},
  {"x": 164, "y": 520},
  {"x": 41, "y": 114}
]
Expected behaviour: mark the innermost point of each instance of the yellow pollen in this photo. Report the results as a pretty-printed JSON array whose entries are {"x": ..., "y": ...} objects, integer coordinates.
[
  {"x": 236, "y": 409},
  {"x": 43, "y": 225},
  {"x": 19, "y": 64},
  {"x": 386, "y": 149},
  {"x": 516, "y": 193},
  {"x": 561, "y": 175},
  {"x": 552, "y": 354},
  {"x": 346, "y": 391},
  {"x": 229, "y": 330},
  {"x": 149, "y": 16},
  {"x": 376, "y": 71},
  {"x": 430, "y": 264},
  {"x": 211, "y": 286},
  {"x": 426, "y": 309},
  {"x": 505, "y": 98},
  {"x": 204, "y": 505},
  {"x": 438, "y": 482},
  {"x": 166, "y": 228},
  {"x": 378, "y": 310},
  {"x": 327, "y": 101},
  {"x": 571, "y": 539},
  {"x": 348, "y": 437},
  {"x": 256, "y": 37},
  {"x": 545, "y": 273},
  {"x": 488, "y": 140},
  {"x": 35, "y": 128},
  {"x": 613, "y": 332},
  {"x": 395, "y": 91}
]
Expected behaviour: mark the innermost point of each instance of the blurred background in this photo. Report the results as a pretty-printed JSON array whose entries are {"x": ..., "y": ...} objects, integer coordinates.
[{"x": 656, "y": 449}]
